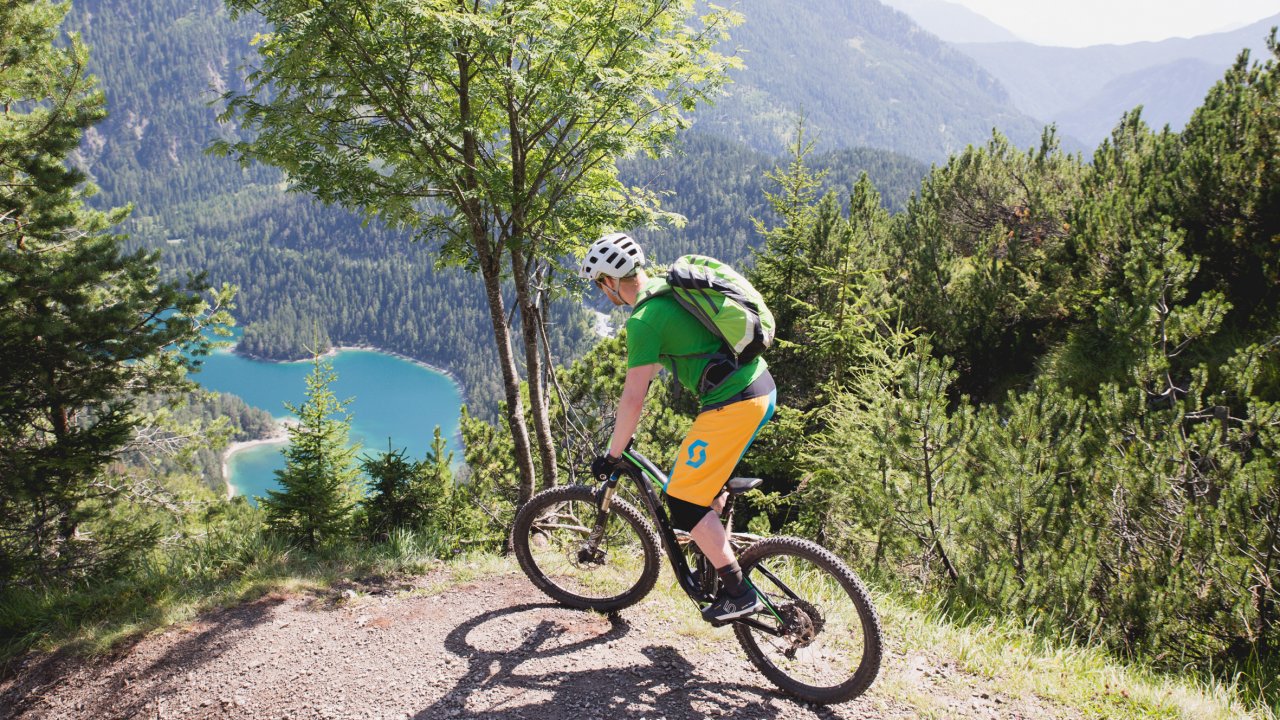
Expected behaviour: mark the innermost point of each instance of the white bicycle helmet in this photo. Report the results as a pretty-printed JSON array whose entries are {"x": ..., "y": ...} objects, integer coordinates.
[{"x": 615, "y": 255}]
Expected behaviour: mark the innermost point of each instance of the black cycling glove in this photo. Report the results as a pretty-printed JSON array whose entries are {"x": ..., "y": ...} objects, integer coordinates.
[{"x": 604, "y": 466}]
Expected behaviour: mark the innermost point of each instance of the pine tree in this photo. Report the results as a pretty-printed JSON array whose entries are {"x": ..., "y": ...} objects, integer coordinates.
[
  {"x": 410, "y": 494},
  {"x": 396, "y": 498},
  {"x": 320, "y": 480},
  {"x": 84, "y": 326}
]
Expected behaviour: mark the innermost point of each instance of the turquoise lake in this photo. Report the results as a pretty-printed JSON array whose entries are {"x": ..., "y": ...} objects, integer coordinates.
[{"x": 391, "y": 399}]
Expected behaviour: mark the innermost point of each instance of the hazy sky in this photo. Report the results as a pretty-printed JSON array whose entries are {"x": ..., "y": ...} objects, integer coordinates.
[{"x": 1094, "y": 22}]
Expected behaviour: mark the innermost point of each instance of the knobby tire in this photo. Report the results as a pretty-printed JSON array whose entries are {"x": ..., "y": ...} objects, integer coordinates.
[
  {"x": 861, "y": 645},
  {"x": 550, "y": 532}
]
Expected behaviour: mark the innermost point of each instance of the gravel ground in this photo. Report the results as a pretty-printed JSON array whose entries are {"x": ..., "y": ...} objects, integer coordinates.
[{"x": 489, "y": 648}]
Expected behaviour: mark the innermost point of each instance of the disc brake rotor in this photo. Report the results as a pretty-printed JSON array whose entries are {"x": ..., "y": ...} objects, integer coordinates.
[
  {"x": 586, "y": 556},
  {"x": 801, "y": 623}
]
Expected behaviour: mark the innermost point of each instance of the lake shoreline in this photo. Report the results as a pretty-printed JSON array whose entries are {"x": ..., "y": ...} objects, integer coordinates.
[
  {"x": 280, "y": 435},
  {"x": 334, "y": 350}
]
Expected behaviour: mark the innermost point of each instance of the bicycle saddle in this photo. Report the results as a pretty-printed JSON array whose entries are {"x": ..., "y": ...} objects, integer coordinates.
[{"x": 737, "y": 486}]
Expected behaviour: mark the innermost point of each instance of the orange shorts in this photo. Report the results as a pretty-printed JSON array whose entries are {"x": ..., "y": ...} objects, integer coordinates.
[{"x": 713, "y": 447}]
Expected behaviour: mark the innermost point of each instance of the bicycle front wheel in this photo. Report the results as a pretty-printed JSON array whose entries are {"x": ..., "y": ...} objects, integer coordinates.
[
  {"x": 819, "y": 637},
  {"x": 583, "y": 560}
]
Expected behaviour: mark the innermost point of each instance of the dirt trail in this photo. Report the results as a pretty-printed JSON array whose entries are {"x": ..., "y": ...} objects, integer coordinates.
[{"x": 489, "y": 648}]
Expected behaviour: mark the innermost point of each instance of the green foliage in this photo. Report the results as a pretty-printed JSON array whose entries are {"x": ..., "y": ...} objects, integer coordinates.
[
  {"x": 1226, "y": 185},
  {"x": 424, "y": 495},
  {"x": 1101, "y": 455},
  {"x": 892, "y": 448},
  {"x": 87, "y": 326},
  {"x": 586, "y": 395},
  {"x": 190, "y": 431},
  {"x": 489, "y": 474},
  {"x": 399, "y": 495},
  {"x": 981, "y": 258},
  {"x": 525, "y": 120},
  {"x": 820, "y": 271},
  {"x": 319, "y": 483},
  {"x": 1029, "y": 470}
]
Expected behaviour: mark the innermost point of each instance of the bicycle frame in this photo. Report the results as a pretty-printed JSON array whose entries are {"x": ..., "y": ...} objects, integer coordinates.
[{"x": 646, "y": 475}]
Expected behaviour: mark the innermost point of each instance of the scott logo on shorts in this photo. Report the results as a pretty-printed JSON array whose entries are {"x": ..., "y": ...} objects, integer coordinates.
[{"x": 697, "y": 454}]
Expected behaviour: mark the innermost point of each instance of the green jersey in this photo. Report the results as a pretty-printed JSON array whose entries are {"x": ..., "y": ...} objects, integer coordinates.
[{"x": 660, "y": 331}]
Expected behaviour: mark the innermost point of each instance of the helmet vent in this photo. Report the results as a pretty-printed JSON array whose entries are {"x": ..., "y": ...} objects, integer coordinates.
[{"x": 616, "y": 255}]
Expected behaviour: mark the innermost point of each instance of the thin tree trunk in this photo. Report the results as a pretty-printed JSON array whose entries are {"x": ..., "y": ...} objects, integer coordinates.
[
  {"x": 935, "y": 535},
  {"x": 521, "y": 264},
  {"x": 529, "y": 317},
  {"x": 489, "y": 269},
  {"x": 490, "y": 258}
]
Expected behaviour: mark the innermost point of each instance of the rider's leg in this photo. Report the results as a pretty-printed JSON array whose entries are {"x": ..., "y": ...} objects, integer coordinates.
[
  {"x": 712, "y": 540},
  {"x": 713, "y": 447},
  {"x": 709, "y": 534}
]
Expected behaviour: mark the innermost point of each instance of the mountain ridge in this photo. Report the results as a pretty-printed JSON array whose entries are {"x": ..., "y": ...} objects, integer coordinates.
[
  {"x": 953, "y": 22},
  {"x": 1060, "y": 84}
]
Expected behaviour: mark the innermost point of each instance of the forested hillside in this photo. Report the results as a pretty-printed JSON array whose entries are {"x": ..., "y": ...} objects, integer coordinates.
[
  {"x": 719, "y": 186},
  {"x": 311, "y": 276},
  {"x": 865, "y": 75}
]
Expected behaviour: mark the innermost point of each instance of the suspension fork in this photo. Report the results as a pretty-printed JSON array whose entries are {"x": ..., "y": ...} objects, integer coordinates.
[{"x": 602, "y": 512}]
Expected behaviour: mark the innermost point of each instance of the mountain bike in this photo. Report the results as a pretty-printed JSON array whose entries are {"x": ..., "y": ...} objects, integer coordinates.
[{"x": 818, "y": 637}]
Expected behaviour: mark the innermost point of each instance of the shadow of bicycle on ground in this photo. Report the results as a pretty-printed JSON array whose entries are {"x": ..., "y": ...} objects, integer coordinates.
[{"x": 527, "y": 666}]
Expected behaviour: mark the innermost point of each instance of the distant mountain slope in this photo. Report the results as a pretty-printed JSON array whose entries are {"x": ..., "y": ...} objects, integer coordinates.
[
  {"x": 1080, "y": 88},
  {"x": 864, "y": 75},
  {"x": 1168, "y": 94},
  {"x": 719, "y": 185},
  {"x": 162, "y": 63},
  {"x": 952, "y": 22}
]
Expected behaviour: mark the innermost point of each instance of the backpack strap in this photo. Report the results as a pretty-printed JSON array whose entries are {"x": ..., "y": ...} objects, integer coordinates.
[
  {"x": 652, "y": 289},
  {"x": 714, "y": 359}
]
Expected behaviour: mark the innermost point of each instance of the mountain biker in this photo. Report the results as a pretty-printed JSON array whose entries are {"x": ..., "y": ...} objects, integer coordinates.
[{"x": 660, "y": 333}]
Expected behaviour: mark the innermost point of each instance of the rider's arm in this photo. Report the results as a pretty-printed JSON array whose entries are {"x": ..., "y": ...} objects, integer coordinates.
[{"x": 633, "y": 392}]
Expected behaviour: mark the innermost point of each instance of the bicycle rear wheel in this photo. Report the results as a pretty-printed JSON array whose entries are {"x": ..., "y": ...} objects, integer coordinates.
[
  {"x": 553, "y": 540},
  {"x": 819, "y": 638}
]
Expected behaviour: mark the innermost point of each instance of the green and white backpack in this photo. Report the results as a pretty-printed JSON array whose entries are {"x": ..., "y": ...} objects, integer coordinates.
[{"x": 724, "y": 302}]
